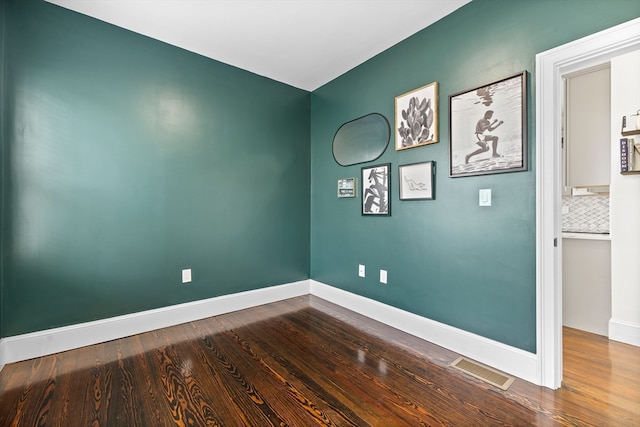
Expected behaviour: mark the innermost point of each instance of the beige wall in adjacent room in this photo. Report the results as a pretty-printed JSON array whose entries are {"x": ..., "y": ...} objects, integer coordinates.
[{"x": 625, "y": 201}]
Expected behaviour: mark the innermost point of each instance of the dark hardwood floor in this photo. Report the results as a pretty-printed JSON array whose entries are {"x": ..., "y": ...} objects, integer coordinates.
[{"x": 306, "y": 362}]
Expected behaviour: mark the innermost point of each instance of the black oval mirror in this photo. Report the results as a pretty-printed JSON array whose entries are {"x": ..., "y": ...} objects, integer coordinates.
[{"x": 361, "y": 140}]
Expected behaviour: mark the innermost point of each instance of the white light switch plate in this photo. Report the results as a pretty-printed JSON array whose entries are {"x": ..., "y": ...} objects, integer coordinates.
[
  {"x": 484, "y": 196},
  {"x": 361, "y": 270}
]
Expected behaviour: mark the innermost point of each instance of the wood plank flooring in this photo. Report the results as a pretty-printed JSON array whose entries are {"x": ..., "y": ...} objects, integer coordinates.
[{"x": 306, "y": 362}]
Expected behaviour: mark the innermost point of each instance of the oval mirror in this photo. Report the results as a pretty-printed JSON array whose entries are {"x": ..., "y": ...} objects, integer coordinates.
[{"x": 361, "y": 140}]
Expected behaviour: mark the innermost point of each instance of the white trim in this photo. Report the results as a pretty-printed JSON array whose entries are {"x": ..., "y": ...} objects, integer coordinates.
[
  {"x": 500, "y": 356},
  {"x": 42, "y": 343},
  {"x": 625, "y": 332},
  {"x": 550, "y": 67},
  {"x": 495, "y": 354},
  {"x": 2, "y": 357}
]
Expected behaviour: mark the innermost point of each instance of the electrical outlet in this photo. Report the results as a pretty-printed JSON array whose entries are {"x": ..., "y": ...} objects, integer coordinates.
[
  {"x": 383, "y": 276},
  {"x": 186, "y": 275},
  {"x": 361, "y": 270}
]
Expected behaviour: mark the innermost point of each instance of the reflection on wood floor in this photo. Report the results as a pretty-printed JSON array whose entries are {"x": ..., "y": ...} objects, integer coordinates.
[{"x": 306, "y": 362}]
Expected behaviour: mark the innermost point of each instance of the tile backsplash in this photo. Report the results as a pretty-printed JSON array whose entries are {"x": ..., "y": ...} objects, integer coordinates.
[{"x": 585, "y": 214}]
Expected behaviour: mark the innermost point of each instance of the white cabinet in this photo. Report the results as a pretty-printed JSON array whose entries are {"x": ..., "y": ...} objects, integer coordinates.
[
  {"x": 586, "y": 285},
  {"x": 587, "y": 128}
]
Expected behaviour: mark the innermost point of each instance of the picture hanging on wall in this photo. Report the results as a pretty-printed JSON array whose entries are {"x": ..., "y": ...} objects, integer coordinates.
[
  {"x": 347, "y": 187},
  {"x": 417, "y": 117},
  {"x": 376, "y": 190},
  {"x": 488, "y": 128},
  {"x": 416, "y": 181}
]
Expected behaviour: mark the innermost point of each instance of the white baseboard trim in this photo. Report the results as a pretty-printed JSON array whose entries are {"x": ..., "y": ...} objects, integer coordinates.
[
  {"x": 625, "y": 332},
  {"x": 514, "y": 361},
  {"x": 2, "y": 357},
  {"x": 41, "y": 343},
  {"x": 511, "y": 360}
]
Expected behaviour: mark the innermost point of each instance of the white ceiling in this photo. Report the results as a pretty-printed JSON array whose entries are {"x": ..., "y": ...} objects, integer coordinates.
[{"x": 303, "y": 43}]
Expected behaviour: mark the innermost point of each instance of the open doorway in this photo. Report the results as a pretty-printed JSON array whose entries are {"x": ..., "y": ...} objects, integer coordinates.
[
  {"x": 550, "y": 67},
  {"x": 585, "y": 217}
]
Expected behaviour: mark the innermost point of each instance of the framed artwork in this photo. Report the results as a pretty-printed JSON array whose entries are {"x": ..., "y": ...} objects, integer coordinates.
[
  {"x": 376, "y": 190},
  {"x": 488, "y": 128},
  {"x": 416, "y": 181},
  {"x": 347, "y": 187},
  {"x": 417, "y": 117}
]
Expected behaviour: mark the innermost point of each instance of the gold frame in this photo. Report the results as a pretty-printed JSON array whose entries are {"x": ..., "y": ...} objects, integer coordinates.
[{"x": 407, "y": 129}]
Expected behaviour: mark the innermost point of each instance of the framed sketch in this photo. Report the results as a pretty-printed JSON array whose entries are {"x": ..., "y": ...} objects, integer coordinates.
[
  {"x": 417, "y": 117},
  {"x": 488, "y": 128},
  {"x": 347, "y": 187},
  {"x": 416, "y": 181},
  {"x": 376, "y": 190}
]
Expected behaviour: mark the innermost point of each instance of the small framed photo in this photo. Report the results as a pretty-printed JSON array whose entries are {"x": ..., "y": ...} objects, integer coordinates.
[
  {"x": 417, "y": 117},
  {"x": 416, "y": 181},
  {"x": 488, "y": 128},
  {"x": 376, "y": 190},
  {"x": 347, "y": 187}
]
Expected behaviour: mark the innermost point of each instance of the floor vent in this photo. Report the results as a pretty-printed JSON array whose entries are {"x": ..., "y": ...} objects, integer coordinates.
[{"x": 484, "y": 373}]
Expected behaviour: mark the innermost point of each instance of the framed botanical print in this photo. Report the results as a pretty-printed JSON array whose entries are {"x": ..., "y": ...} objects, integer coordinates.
[
  {"x": 417, "y": 117},
  {"x": 376, "y": 190}
]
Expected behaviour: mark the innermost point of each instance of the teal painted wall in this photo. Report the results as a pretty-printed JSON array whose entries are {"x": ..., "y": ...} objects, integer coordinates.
[
  {"x": 448, "y": 260},
  {"x": 126, "y": 160},
  {"x": 2, "y": 158}
]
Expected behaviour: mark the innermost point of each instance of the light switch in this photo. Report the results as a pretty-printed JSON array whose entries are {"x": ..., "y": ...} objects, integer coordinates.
[{"x": 485, "y": 197}]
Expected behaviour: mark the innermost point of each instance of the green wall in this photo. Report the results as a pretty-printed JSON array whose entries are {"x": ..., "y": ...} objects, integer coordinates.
[
  {"x": 448, "y": 259},
  {"x": 2, "y": 159},
  {"x": 125, "y": 160}
]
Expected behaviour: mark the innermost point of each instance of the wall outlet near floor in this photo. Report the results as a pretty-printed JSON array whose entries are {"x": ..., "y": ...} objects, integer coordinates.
[
  {"x": 361, "y": 270},
  {"x": 186, "y": 275},
  {"x": 383, "y": 276}
]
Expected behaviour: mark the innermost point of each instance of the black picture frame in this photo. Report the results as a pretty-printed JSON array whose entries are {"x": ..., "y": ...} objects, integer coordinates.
[
  {"x": 376, "y": 190},
  {"x": 488, "y": 128},
  {"x": 416, "y": 181},
  {"x": 347, "y": 187}
]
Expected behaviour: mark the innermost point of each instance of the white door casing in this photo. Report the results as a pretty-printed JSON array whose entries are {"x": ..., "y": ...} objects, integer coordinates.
[{"x": 551, "y": 65}]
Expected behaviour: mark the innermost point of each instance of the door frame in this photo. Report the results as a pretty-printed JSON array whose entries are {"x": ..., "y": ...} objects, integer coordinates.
[{"x": 551, "y": 65}]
